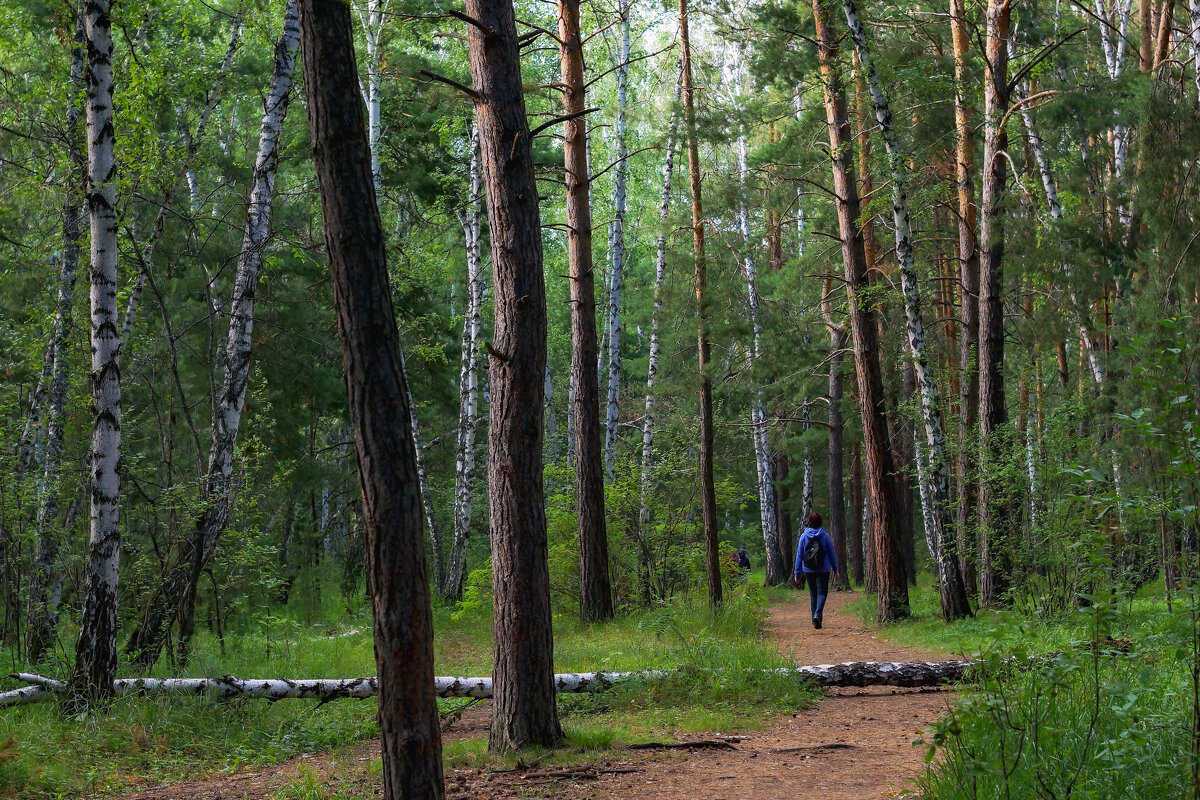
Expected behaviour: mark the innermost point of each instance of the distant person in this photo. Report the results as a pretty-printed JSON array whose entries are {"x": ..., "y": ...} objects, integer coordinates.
[
  {"x": 741, "y": 563},
  {"x": 816, "y": 561}
]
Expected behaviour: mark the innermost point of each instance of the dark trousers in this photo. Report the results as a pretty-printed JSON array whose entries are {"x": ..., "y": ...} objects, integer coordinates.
[{"x": 818, "y": 590}]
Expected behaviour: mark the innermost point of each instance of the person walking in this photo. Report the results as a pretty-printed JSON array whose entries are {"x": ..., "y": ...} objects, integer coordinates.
[{"x": 816, "y": 561}]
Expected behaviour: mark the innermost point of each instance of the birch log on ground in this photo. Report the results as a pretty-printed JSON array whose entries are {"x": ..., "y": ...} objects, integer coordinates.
[
  {"x": 850, "y": 673},
  {"x": 934, "y": 475}
]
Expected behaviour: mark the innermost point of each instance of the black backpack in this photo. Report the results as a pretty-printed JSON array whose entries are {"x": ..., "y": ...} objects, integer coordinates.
[{"x": 814, "y": 558}]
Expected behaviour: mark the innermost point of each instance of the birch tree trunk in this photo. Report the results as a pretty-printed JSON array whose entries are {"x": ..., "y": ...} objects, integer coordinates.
[
  {"x": 616, "y": 244},
  {"x": 468, "y": 382},
  {"x": 524, "y": 711},
  {"x": 708, "y": 493},
  {"x": 1194, "y": 17},
  {"x": 806, "y": 485},
  {"x": 96, "y": 650},
  {"x": 776, "y": 569},
  {"x": 892, "y": 602},
  {"x": 660, "y": 275},
  {"x": 177, "y": 595},
  {"x": 995, "y": 518},
  {"x": 379, "y": 407},
  {"x": 47, "y": 571},
  {"x": 935, "y": 483},
  {"x": 595, "y": 592},
  {"x": 968, "y": 270}
]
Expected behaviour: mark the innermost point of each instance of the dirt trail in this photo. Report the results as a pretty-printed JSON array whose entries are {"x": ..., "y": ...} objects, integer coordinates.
[
  {"x": 870, "y": 732},
  {"x": 871, "y": 729}
]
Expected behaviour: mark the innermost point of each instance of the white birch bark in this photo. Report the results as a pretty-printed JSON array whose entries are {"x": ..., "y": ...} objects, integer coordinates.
[
  {"x": 96, "y": 648},
  {"x": 372, "y": 16},
  {"x": 616, "y": 245},
  {"x": 806, "y": 487},
  {"x": 849, "y": 673},
  {"x": 660, "y": 274},
  {"x": 468, "y": 383},
  {"x": 46, "y": 581},
  {"x": 953, "y": 590},
  {"x": 776, "y": 571},
  {"x": 1194, "y": 33}
]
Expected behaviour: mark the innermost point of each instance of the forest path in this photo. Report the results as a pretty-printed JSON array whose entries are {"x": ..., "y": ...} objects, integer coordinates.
[{"x": 871, "y": 730}]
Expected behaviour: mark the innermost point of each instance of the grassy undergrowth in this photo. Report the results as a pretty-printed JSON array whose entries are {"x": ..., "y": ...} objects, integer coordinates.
[
  {"x": 1095, "y": 702},
  {"x": 135, "y": 740}
]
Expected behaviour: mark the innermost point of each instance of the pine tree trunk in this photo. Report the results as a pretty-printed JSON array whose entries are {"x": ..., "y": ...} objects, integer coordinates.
[
  {"x": 43, "y": 606},
  {"x": 379, "y": 406},
  {"x": 837, "y": 483},
  {"x": 468, "y": 380},
  {"x": 524, "y": 711},
  {"x": 996, "y": 520},
  {"x": 616, "y": 242},
  {"x": 968, "y": 270},
  {"x": 96, "y": 650},
  {"x": 595, "y": 592},
  {"x": 776, "y": 569},
  {"x": 858, "y": 540},
  {"x": 892, "y": 588},
  {"x": 708, "y": 490},
  {"x": 660, "y": 276}
]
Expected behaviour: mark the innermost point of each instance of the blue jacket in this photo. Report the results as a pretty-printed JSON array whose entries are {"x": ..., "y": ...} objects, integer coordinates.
[{"x": 830, "y": 565}]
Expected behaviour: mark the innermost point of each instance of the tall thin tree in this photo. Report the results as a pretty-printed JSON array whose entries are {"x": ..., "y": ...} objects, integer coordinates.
[
  {"x": 96, "y": 649},
  {"x": 595, "y": 593},
  {"x": 524, "y": 711},
  {"x": 379, "y": 406},
  {"x": 708, "y": 490}
]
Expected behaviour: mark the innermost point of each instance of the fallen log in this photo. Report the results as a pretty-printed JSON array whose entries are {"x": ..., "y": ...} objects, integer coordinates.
[{"x": 852, "y": 673}]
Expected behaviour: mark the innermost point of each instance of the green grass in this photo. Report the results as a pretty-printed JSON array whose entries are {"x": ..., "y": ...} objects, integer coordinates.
[
  {"x": 139, "y": 740},
  {"x": 1096, "y": 704}
]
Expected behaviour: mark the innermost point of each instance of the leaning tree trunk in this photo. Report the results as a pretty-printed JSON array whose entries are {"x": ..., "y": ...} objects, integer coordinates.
[
  {"x": 176, "y": 597},
  {"x": 616, "y": 243},
  {"x": 708, "y": 492},
  {"x": 968, "y": 270},
  {"x": 47, "y": 570},
  {"x": 892, "y": 600},
  {"x": 96, "y": 650},
  {"x": 935, "y": 481},
  {"x": 776, "y": 568},
  {"x": 468, "y": 382},
  {"x": 660, "y": 276},
  {"x": 837, "y": 483},
  {"x": 524, "y": 711},
  {"x": 379, "y": 406},
  {"x": 996, "y": 519},
  {"x": 595, "y": 592}
]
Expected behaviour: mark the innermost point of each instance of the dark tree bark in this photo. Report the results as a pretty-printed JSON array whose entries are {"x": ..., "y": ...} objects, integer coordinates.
[
  {"x": 996, "y": 517},
  {"x": 708, "y": 491},
  {"x": 856, "y": 516},
  {"x": 595, "y": 592},
  {"x": 96, "y": 649},
  {"x": 524, "y": 712},
  {"x": 783, "y": 520},
  {"x": 379, "y": 406},
  {"x": 837, "y": 483},
  {"x": 884, "y": 528},
  {"x": 968, "y": 270}
]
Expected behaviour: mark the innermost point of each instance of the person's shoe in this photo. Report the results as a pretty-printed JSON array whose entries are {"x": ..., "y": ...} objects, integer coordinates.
[{"x": 817, "y": 623}]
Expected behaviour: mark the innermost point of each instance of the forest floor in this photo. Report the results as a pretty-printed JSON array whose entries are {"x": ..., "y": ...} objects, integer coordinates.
[{"x": 853, "y": 745}]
